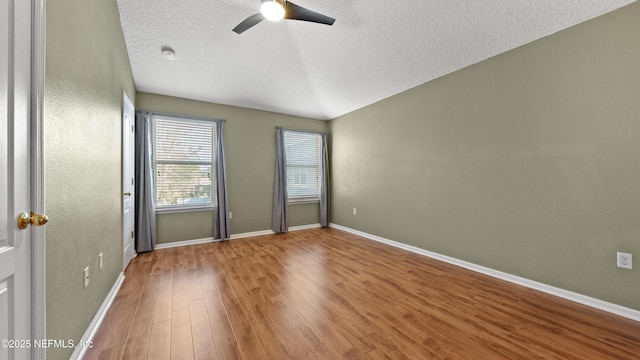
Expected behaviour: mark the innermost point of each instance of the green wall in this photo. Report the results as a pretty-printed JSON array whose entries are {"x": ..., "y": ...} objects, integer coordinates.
[
  {"x": 87, "y": 68},
  {"x": 250, "y": 140},
  {"x": 528, "y": 162}
]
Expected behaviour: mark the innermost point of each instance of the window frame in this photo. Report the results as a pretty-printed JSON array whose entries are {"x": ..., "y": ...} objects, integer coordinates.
[
  {"x": 181, "y": 207},
  {"x": 305, "y": 199}
]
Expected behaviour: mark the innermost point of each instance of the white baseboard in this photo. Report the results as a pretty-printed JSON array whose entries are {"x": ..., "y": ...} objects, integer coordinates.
[
  {"x": 97, "y": 320},
  {"x": 250, "y": 234},
  {"x": 185, "y": 243},
  {"x": 304, "y": 227},
  {"x": 562, "y": 293},
  {"x": 233, "y": 237},
  {"x": 270, "y": 232}
]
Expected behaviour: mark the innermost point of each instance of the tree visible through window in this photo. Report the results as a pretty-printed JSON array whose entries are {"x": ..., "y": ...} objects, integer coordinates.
[
  {"x": 303, "y": 154},
  {"x": 183, "y": 162}
]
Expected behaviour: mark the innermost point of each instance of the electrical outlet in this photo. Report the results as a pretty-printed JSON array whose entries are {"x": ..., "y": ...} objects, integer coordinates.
[
  {"x": 85, "y": 273},
  {"x": 624, "y": 260},
  {"x": 355, "y": 212},
  {"x": 230, "y": 215},
  {"x": 101, "y": 260}
]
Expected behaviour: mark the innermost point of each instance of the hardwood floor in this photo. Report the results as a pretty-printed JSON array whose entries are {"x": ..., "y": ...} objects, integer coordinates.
[{"x": 327, "y": 294}]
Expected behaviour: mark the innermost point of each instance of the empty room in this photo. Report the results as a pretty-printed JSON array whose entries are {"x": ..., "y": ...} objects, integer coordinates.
[{"x": 262, "y": 179}]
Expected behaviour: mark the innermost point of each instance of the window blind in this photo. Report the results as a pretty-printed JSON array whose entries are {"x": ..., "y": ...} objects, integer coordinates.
[
  {"x": 303, "y": 155},
  {"x": 183, "y": 160}
]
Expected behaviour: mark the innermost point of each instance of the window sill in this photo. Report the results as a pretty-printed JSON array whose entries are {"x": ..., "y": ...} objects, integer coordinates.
[
  {"x": 303, "y": 201},
  {"x": 184, "y": 209}
]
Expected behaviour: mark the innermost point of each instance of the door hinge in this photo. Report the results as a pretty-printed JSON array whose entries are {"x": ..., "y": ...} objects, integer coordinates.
[
  {"x": 132, "y": 235},
  {"x": 132, "y": 129},
  {"x": 131, "y": 181}
]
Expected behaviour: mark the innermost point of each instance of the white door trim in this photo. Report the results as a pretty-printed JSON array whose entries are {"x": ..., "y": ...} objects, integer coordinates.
[
  {"x": 38, "y": 246},
  {"x": 128, "y": 183}
]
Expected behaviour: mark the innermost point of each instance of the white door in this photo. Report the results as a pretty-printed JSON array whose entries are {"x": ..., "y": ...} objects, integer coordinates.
[
  {"x": 15, "y": 183},
  {"x": 128, "y": 181}
]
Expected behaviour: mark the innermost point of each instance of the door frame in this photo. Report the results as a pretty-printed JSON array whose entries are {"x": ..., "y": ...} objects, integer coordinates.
[
  {"x": 38, "y": 245},
  {"x": 126, "y": 100}
]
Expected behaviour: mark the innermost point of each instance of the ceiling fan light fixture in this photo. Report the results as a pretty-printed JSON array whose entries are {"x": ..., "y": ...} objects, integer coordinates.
[{"x": 272, "y": 10}]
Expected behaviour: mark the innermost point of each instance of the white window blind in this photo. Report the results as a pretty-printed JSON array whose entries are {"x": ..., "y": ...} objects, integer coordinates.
[
  {"x": 303, "y": 153},
  {"x": 183, "y": 162}
]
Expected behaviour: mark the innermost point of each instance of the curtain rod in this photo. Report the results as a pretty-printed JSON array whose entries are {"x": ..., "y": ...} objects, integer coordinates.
[
  {"x": 178, "y": 116},
  {"x": 302, "y": 131}
]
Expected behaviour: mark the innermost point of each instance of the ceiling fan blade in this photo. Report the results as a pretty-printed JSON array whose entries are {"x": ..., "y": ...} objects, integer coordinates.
[
  {"x": 248, "y": 23},
  {"x": 295, "y": 12}
]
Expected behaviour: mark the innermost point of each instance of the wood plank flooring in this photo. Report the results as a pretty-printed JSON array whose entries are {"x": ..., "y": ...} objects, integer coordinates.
[{"x": 327, "y": 294}]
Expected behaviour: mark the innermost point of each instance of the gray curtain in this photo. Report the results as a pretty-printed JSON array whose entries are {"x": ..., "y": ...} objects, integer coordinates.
[
  {"x": 221, "y": 213},
  {"x": 145, "y": 208},
  {"x": 280, "y": 222},
  {"x": 324, "y": 184}
]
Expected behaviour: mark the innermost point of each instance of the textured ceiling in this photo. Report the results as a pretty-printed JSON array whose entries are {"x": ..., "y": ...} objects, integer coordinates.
[{"x": 374, "y": 50}]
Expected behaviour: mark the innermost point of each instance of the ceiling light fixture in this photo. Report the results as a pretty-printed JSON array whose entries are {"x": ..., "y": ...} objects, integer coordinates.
[{"x": 272, "y": 10}]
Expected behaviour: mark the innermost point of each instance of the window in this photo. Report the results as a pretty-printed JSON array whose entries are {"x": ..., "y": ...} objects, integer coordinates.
[
  {"x": 183, "y": 162},
  {"x": 303, "y": 153}
]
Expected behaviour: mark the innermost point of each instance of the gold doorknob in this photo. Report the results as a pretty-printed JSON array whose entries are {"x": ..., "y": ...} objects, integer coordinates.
[
  {"x": 24, "y": 220},
  {"x": 127, "y": 193}
]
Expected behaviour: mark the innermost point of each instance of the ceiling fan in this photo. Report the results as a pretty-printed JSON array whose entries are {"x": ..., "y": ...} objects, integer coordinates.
[{"x": 275, "y": 10}]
